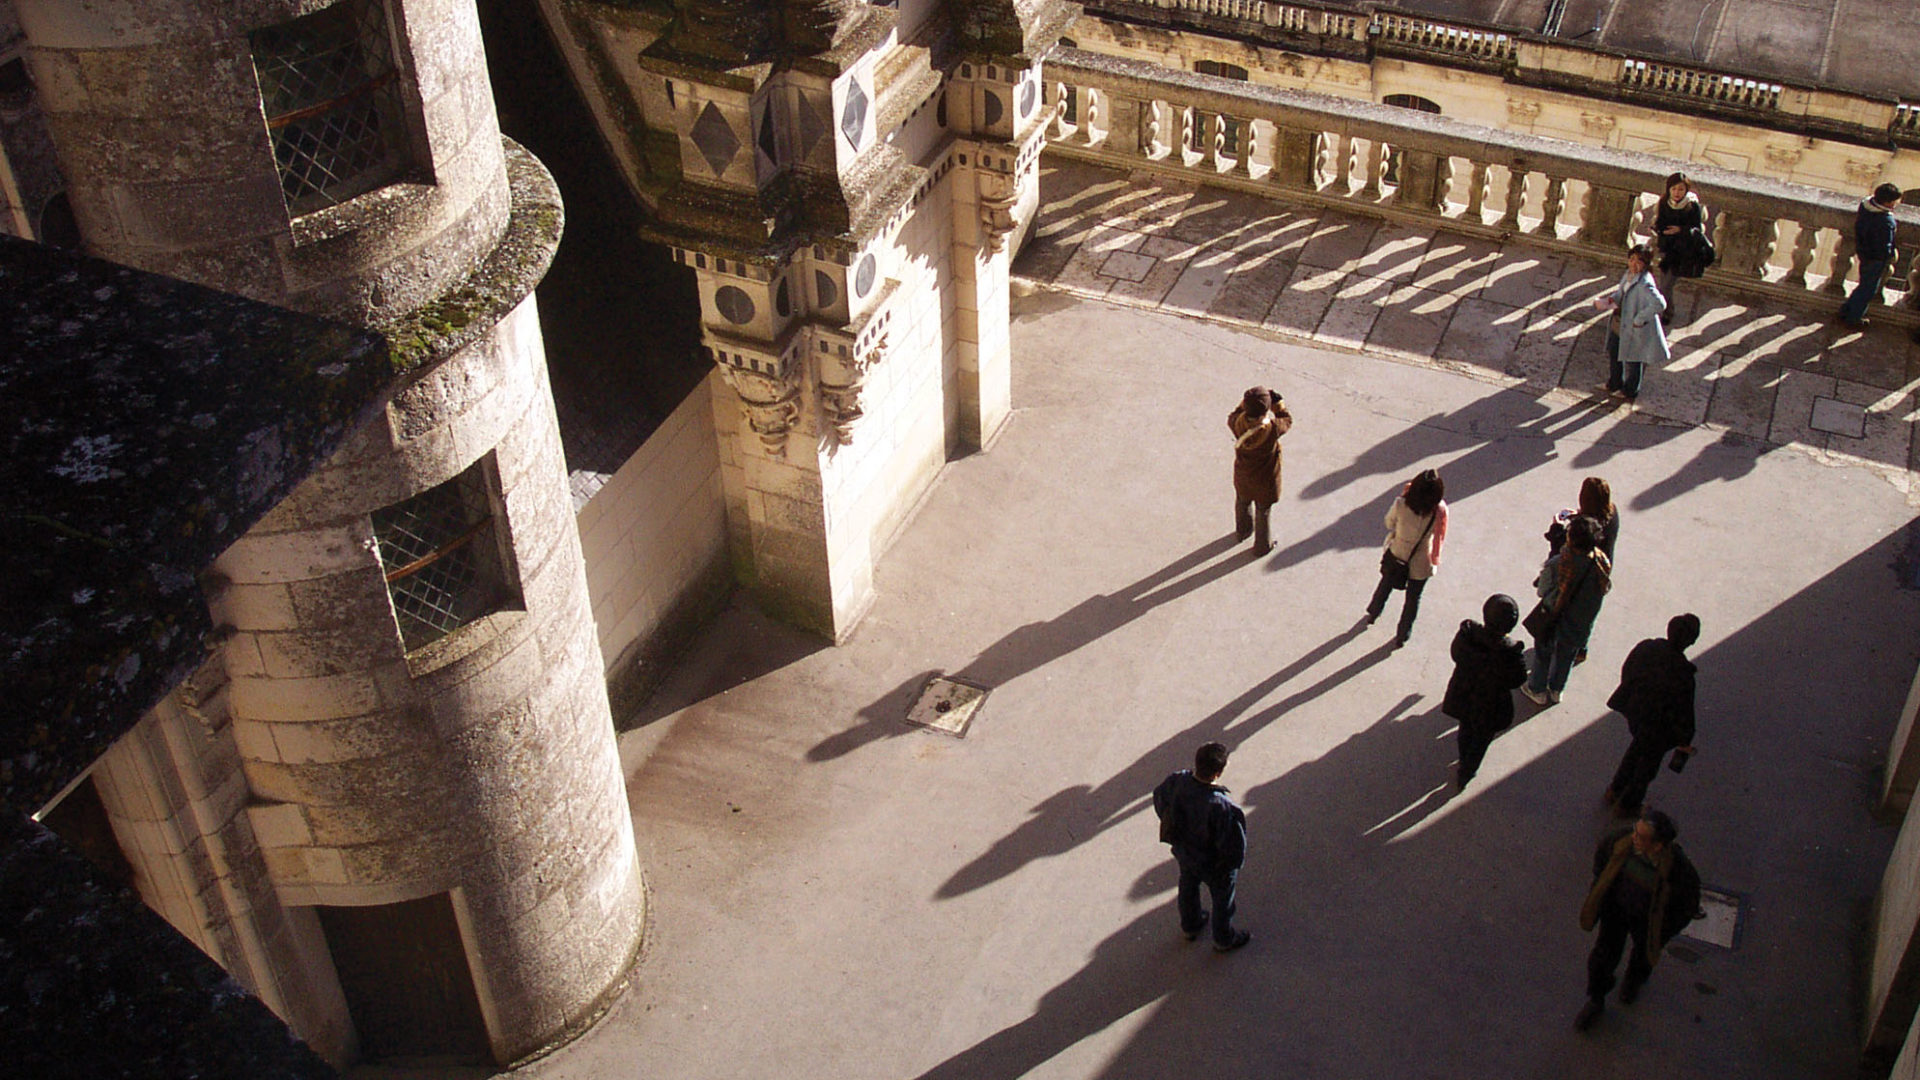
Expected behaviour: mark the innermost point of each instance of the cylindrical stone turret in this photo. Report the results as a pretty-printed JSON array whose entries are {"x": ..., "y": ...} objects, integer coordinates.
[{"x": 417, "y": 693}]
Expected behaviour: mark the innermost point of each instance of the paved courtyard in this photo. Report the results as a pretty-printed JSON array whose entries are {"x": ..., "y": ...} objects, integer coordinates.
[{"x": 838, "y": 894}]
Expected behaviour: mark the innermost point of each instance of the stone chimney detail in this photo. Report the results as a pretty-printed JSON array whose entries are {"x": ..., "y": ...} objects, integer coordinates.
[{"x": 848, "y": 183}]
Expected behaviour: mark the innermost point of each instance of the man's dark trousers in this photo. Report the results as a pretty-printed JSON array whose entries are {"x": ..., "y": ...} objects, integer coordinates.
[
  {"x": 1617, "y": 926},
  {"x": 1221, "y": 887},
  {"x": 1638, "y": 766}
]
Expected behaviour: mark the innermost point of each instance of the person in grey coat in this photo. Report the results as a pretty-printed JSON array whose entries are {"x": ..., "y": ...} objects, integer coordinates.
[{"x": 1635, "y": 335}]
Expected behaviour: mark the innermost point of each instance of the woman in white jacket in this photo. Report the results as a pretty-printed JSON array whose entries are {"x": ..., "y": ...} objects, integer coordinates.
[
  {"x": 1635, "y": 335},
  {"x": 1416, "y": 527}
]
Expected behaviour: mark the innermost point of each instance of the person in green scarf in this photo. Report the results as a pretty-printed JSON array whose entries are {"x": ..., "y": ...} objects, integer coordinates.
[{"x": 1644, "y": 889}]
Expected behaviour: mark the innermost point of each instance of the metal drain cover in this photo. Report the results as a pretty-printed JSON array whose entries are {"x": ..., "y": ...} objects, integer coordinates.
[
  {"x": 947, "y": 705},
  {"x": 1721, "y": 924}
]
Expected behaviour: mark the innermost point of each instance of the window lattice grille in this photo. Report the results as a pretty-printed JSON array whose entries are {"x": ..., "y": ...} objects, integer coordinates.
[
  {"x": 327, "y": 85},
  {"x": 443, "y": 564}
]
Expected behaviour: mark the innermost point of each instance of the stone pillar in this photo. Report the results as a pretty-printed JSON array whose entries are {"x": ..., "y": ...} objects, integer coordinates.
[
  {"x": 391, "y": 750},
  {"x": 1296, "y": 158},
  {"x": 1744, "y": 243},
  {"x": 1893, "y": 984},
  {"x": 1903, "y": 760},
  {"x": 1423, "y": 182},
  {"x": 1608, "y": 217}
]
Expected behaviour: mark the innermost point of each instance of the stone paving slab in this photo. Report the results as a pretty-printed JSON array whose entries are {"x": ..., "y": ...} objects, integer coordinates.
[
  {"x": 1511, "y": 311},
  {"x": 835, "y": 893}
]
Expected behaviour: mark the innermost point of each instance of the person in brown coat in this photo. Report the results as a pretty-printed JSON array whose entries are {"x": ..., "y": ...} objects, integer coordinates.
[{"x": 1257, "y": 424}]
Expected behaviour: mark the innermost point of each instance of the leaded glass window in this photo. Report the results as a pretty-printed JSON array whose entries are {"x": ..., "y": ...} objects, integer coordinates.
[
  {"x": 329, "y": 87},
  {"x": 443, "y": 558}
]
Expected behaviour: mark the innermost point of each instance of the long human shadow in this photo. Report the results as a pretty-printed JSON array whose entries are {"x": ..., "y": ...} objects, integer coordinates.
[
  {"x": 1320, "y": 811},
  {"x": 1037, "y": 644},
  {"x": 1728, "y": 459},
  {"x": 1387, "y": 932},
  {"x": 1494, "y": 459},
  {"x": 1483, "y": 418},
  {"x": 1075, "y": 814}
]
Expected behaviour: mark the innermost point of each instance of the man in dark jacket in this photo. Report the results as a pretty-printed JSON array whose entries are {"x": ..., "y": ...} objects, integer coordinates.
[
  {"x": 1873, "y": 233},
  {"x": 1644, "y": 888},
  {"x": 1209, "y": 839},
  {"x": 1487, "y": 667},
  {"x": 1656, "y": 697}
]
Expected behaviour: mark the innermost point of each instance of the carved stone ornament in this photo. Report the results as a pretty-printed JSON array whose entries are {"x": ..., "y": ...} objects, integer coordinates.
[
  {"x": 841, "y": 401},
  {"x": 1522, "y": 112},
  {"x": 771, "y": 405},
  {"x": 998, "y": 193},
  {"x": 1783, "y": 158}
]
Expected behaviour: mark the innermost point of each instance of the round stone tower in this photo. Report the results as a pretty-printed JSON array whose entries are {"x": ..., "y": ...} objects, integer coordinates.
[{"x": 413, "y": 686}]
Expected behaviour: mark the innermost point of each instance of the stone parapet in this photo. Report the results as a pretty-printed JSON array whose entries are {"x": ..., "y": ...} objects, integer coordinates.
[{"x": 1774, "y": 237}]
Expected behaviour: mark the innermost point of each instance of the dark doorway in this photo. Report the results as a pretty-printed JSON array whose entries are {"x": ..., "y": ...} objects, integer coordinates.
[
  {"x": 406, "y": 980},
  {"x": 81, "y": 820}
]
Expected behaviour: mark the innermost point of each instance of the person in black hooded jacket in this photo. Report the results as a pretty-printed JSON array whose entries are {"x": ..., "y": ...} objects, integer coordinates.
[{"x": 1487, "y": 667}]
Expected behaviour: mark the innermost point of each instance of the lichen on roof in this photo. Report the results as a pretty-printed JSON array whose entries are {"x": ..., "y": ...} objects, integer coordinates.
[{"x": 145, "y": 424}]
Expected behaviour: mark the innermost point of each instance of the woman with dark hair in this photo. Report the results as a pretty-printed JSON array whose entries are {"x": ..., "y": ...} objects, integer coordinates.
[
  {"x": 1635, "y": 335},
  {"x": 1596, "y": 502},
  {"x": 1416, "y": 527},
  {"x": 1572, "y": 586},
  {"x": 1680, "y": 231}
]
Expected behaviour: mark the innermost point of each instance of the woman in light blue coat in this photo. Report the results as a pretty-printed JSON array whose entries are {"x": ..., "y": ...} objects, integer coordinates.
[{"x": 1635, "y": 335}]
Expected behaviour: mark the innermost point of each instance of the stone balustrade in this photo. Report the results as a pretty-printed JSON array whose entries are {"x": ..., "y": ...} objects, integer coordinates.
[
  {"x": 1429, "y": 35},
  {"x": 1788, "y": 240},
  {"x": 1531, "y": 59},
  {"x": 1696, "y": 83}
]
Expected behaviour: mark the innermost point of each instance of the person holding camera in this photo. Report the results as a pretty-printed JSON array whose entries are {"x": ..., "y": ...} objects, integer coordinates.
[{"x": 1656, "y": 696}]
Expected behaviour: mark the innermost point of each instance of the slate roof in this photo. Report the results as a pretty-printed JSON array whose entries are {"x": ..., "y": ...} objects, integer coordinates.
[{"x": 145, "y": 424}]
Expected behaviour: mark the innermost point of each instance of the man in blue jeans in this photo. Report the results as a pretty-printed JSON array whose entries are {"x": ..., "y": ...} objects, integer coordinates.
[
  {"x": 1209, "y": 839},
  {"x": 1873, "y": 242}
]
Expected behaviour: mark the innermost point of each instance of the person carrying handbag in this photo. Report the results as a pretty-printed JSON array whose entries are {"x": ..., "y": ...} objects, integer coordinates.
[
  {"x": 1416, "y": 528},
  {"x": 1572, "y": 585}
]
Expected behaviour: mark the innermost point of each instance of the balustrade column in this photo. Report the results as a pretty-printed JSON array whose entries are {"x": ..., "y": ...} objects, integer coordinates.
[
  {"x": 1743, "y": 242},
  {"x": 1516, "y": 196},
  {"x": 1477, "y": 193},
  {"x": 1609, "y": 217},
  {"x": 1088, "y": 112},
  {"x": 1803, "y": 246},
  {"x": 1424, "y": 179},
  {"x": 1551, "y": 203},
  {"x": 1243, "y": 162},
  {"x": 1343, "y": 164},
  {"x": 1213, "y": 140},
  {"x": 1376, "y": 169},
  {"x": 1911, "y": 257},
  {"x": 1843, "y": 260}
]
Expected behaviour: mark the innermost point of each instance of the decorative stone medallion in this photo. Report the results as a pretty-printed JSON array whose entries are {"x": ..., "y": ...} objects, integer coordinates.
[
  {"x": 1027, "y": 94},
  {"x": 863, "y": 276},
  {"x": 734, "y": 304},
  {"x": 823, "y": 285}
]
